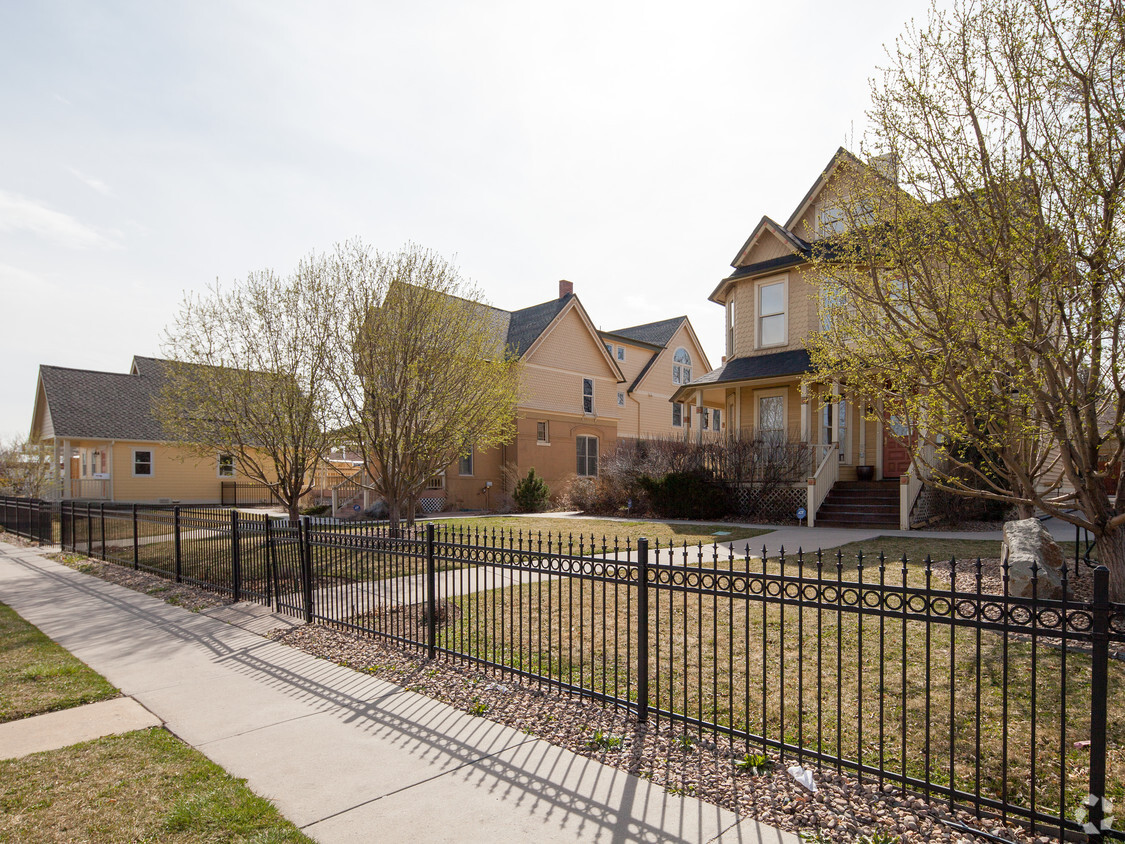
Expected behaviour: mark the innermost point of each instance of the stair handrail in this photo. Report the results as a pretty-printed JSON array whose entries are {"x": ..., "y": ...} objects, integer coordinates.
[
  {"x": 823, "y": 479},
  {"x": 911, "y": 483},
  {"x": 348, "y": 489}
]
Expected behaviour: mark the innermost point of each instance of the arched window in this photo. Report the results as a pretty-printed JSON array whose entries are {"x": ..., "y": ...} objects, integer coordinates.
[{"x": 681, "y": 367}]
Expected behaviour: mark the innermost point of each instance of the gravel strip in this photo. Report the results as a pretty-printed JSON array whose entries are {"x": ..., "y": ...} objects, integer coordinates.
[
  {"x": 842, "y": 809},
  {"x": 183, "y": 595}
]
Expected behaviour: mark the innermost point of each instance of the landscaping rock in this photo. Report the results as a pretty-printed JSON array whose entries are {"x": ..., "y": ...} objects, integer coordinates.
[{"x": 1029, "y": 548}]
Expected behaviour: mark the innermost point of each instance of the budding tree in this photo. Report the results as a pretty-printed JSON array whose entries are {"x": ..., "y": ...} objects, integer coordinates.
[
  {"x": 422, "y": 374},
  {"x": 248, "y": 377},
  {"x": 977, "y": 291}
]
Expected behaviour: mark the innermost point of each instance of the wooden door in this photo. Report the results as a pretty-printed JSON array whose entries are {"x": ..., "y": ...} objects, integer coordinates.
[{"x": 896, "y": 456}]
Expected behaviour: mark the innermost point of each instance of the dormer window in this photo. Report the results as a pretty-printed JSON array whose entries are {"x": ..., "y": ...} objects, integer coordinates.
[
  {"x": 681, "y": 367},
  {"x": 773, "y": 297}
]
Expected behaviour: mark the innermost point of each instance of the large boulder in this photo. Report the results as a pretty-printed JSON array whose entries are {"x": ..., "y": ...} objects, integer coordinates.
[{"x": 1029, "y": 547}]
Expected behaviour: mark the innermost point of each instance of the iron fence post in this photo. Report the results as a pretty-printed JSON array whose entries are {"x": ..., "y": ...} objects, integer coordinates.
[
  {"x": 235, "y": 558},
  {"x": 306, "y": 566},
  {"x": 431, "y": 596},
  {"x": 89, "y": 529},
  {"x": 271, "y": 566},
  {"x": 136, "y": 541},
  {"x": 101, "y": 527},
  {"x": 1099, "y": 693},
  {"x": 642, "y": 630},
  {"x": 178, "y": 559}
]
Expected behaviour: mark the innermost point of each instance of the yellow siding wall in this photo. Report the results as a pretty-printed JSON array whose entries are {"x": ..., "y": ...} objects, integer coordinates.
[
  {"x": 652, "y": 396},
  {"x": 801, "y": 313},
  {"x": 553, "y": 373},
  {"x": 177, "y": 475}
]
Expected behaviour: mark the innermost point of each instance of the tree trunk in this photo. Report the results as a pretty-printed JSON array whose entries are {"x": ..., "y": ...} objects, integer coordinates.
[
  {"x": 1025, "y": 510},
  {"x": 294, "y": 513},
  {"x": 1111, "y": 551},
  {"x": 393, "y": 514}
]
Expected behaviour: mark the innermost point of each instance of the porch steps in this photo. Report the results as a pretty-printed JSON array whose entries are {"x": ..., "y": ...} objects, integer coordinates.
[{"x": 860, "y": 504}]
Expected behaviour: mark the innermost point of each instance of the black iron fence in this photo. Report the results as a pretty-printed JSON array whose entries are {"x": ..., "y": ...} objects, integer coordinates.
[
  {"x": 246, "y": 494},
  {"x": 30, "y": 518},
  {"x": 936, "y": 678}
]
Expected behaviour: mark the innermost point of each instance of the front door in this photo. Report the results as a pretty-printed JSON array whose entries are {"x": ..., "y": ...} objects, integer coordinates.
[{"x": 896, "y": 456}]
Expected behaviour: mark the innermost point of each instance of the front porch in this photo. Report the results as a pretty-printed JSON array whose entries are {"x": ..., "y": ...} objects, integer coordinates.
[{"x": 859, "y": 472}]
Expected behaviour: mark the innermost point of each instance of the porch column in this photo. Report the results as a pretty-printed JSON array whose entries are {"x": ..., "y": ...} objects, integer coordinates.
[
  {"x": 738, "y": 409},
  {"x": 804, "y": 413},
  {"x": 699, "y": 417},
  {"x": 66, "y": 469},
  {"x": 56, "y": 472},
  {"x": 879, "y": 437},
  {"x": 861, "y": 420}
]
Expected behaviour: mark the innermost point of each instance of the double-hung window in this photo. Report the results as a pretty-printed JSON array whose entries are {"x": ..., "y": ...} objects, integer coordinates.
[
  {"x": 542, "y": 433},
  {"x": 587, "y": 454},
  {"x": 677, "y": 415},
  {"x": 226, "y": 465},
  {"x": 587, "y": 395},
  {"x": 142, "y": 463},
  {"x": 772, "y": 327},
  {"x": 465, "y": 464}
]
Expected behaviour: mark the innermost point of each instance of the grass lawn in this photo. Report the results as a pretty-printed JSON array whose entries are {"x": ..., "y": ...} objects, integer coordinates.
[
  {"x": 141, "y": 786},
  {"x": 663, "y": 532},
  {"x": 37, "y": 675},
  {"x": 916, "y": 549}
]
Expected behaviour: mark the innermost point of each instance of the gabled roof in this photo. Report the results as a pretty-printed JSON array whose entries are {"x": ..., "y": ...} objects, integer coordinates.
[
  {"x": 88, "y": 404},
  {"x": 652, "y": 333},
  {"x": 526, "y": 325},
  {"x": 840, "y": 156},
  {"x": 771, "y": 226},
  {"x": 794, "y": 362}
]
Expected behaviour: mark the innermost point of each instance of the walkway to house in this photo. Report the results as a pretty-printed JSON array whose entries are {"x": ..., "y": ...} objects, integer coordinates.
[{"x": 345, "y": 756}]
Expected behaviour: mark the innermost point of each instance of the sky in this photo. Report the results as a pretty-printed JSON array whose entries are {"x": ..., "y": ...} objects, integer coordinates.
[{"x": 148, "y": 149}]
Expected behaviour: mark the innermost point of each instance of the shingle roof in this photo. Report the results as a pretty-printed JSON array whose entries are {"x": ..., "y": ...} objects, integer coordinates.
[
  {"x": 104, "y": 405},
  {"x": 795, "y": 362},
  {"x": 654, "y": 333},
  {"x": 525, "y": 325}
]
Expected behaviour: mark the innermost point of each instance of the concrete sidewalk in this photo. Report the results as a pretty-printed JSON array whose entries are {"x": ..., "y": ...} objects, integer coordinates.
[{"x": 343, "y": 755}]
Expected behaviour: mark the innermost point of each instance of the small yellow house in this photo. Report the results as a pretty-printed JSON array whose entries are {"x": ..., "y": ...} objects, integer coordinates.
[{"x": 107, "y": 446}]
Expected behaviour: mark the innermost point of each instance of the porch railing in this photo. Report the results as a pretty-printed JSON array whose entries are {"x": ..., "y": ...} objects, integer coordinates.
[
  {"x": 911, "y": 483},
  {"x": 825, "y": 477},
  {"x": 347, "y": 491},
  {"x": 89, "y": 489}
]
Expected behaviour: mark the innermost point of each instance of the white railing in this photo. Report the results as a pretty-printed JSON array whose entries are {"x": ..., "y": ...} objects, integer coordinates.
[
  {"x": 825, "y": 477},
  {"x": 348, "y": 490},
  {"x": 96, "y": 489},
  {"x": 910, "y": 485}
]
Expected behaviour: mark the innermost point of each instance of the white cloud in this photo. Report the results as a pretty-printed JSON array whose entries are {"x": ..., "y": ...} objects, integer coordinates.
[
  {"x": 20, "y": 214},
  {"x": 91, "y": 182}
]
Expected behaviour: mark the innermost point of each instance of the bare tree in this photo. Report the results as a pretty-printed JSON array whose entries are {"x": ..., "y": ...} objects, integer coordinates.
[
  {"x": 25, "y": 468},
  {"x": 422, "y": 374},
  {"x": 248, "y": 377},
  {"x": 977, "y": 290}
]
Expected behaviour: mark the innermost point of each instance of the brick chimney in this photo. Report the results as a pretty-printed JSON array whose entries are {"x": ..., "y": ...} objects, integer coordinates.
[{"x": 565, "y": 287}]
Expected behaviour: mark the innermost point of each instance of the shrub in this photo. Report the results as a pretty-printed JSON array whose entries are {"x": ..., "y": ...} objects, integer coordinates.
[
  {"x": 531, "y": 493},
  {"x": 686, "y": 495},
  {"x": 318, "y": 510}
]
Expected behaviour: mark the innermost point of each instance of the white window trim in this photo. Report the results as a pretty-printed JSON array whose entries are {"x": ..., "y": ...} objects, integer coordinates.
[
  {"x": 597, "y": 460},
  {"x": 845, "y": 452},
  {"x": 730, "y": 326},
  {"x": 151, "y": 463},
  {"x": 546, "y": 431},
  {"x": 680, "y": 405},
  {"x": 621, "y": 353},
  {"x": 782, "y": 279},
  {"x": 219, "y": 467},
  {"x": 620, "y": 398},
  {"x": 768, "y": 393},
  {"x": 593, "y": 397}
]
